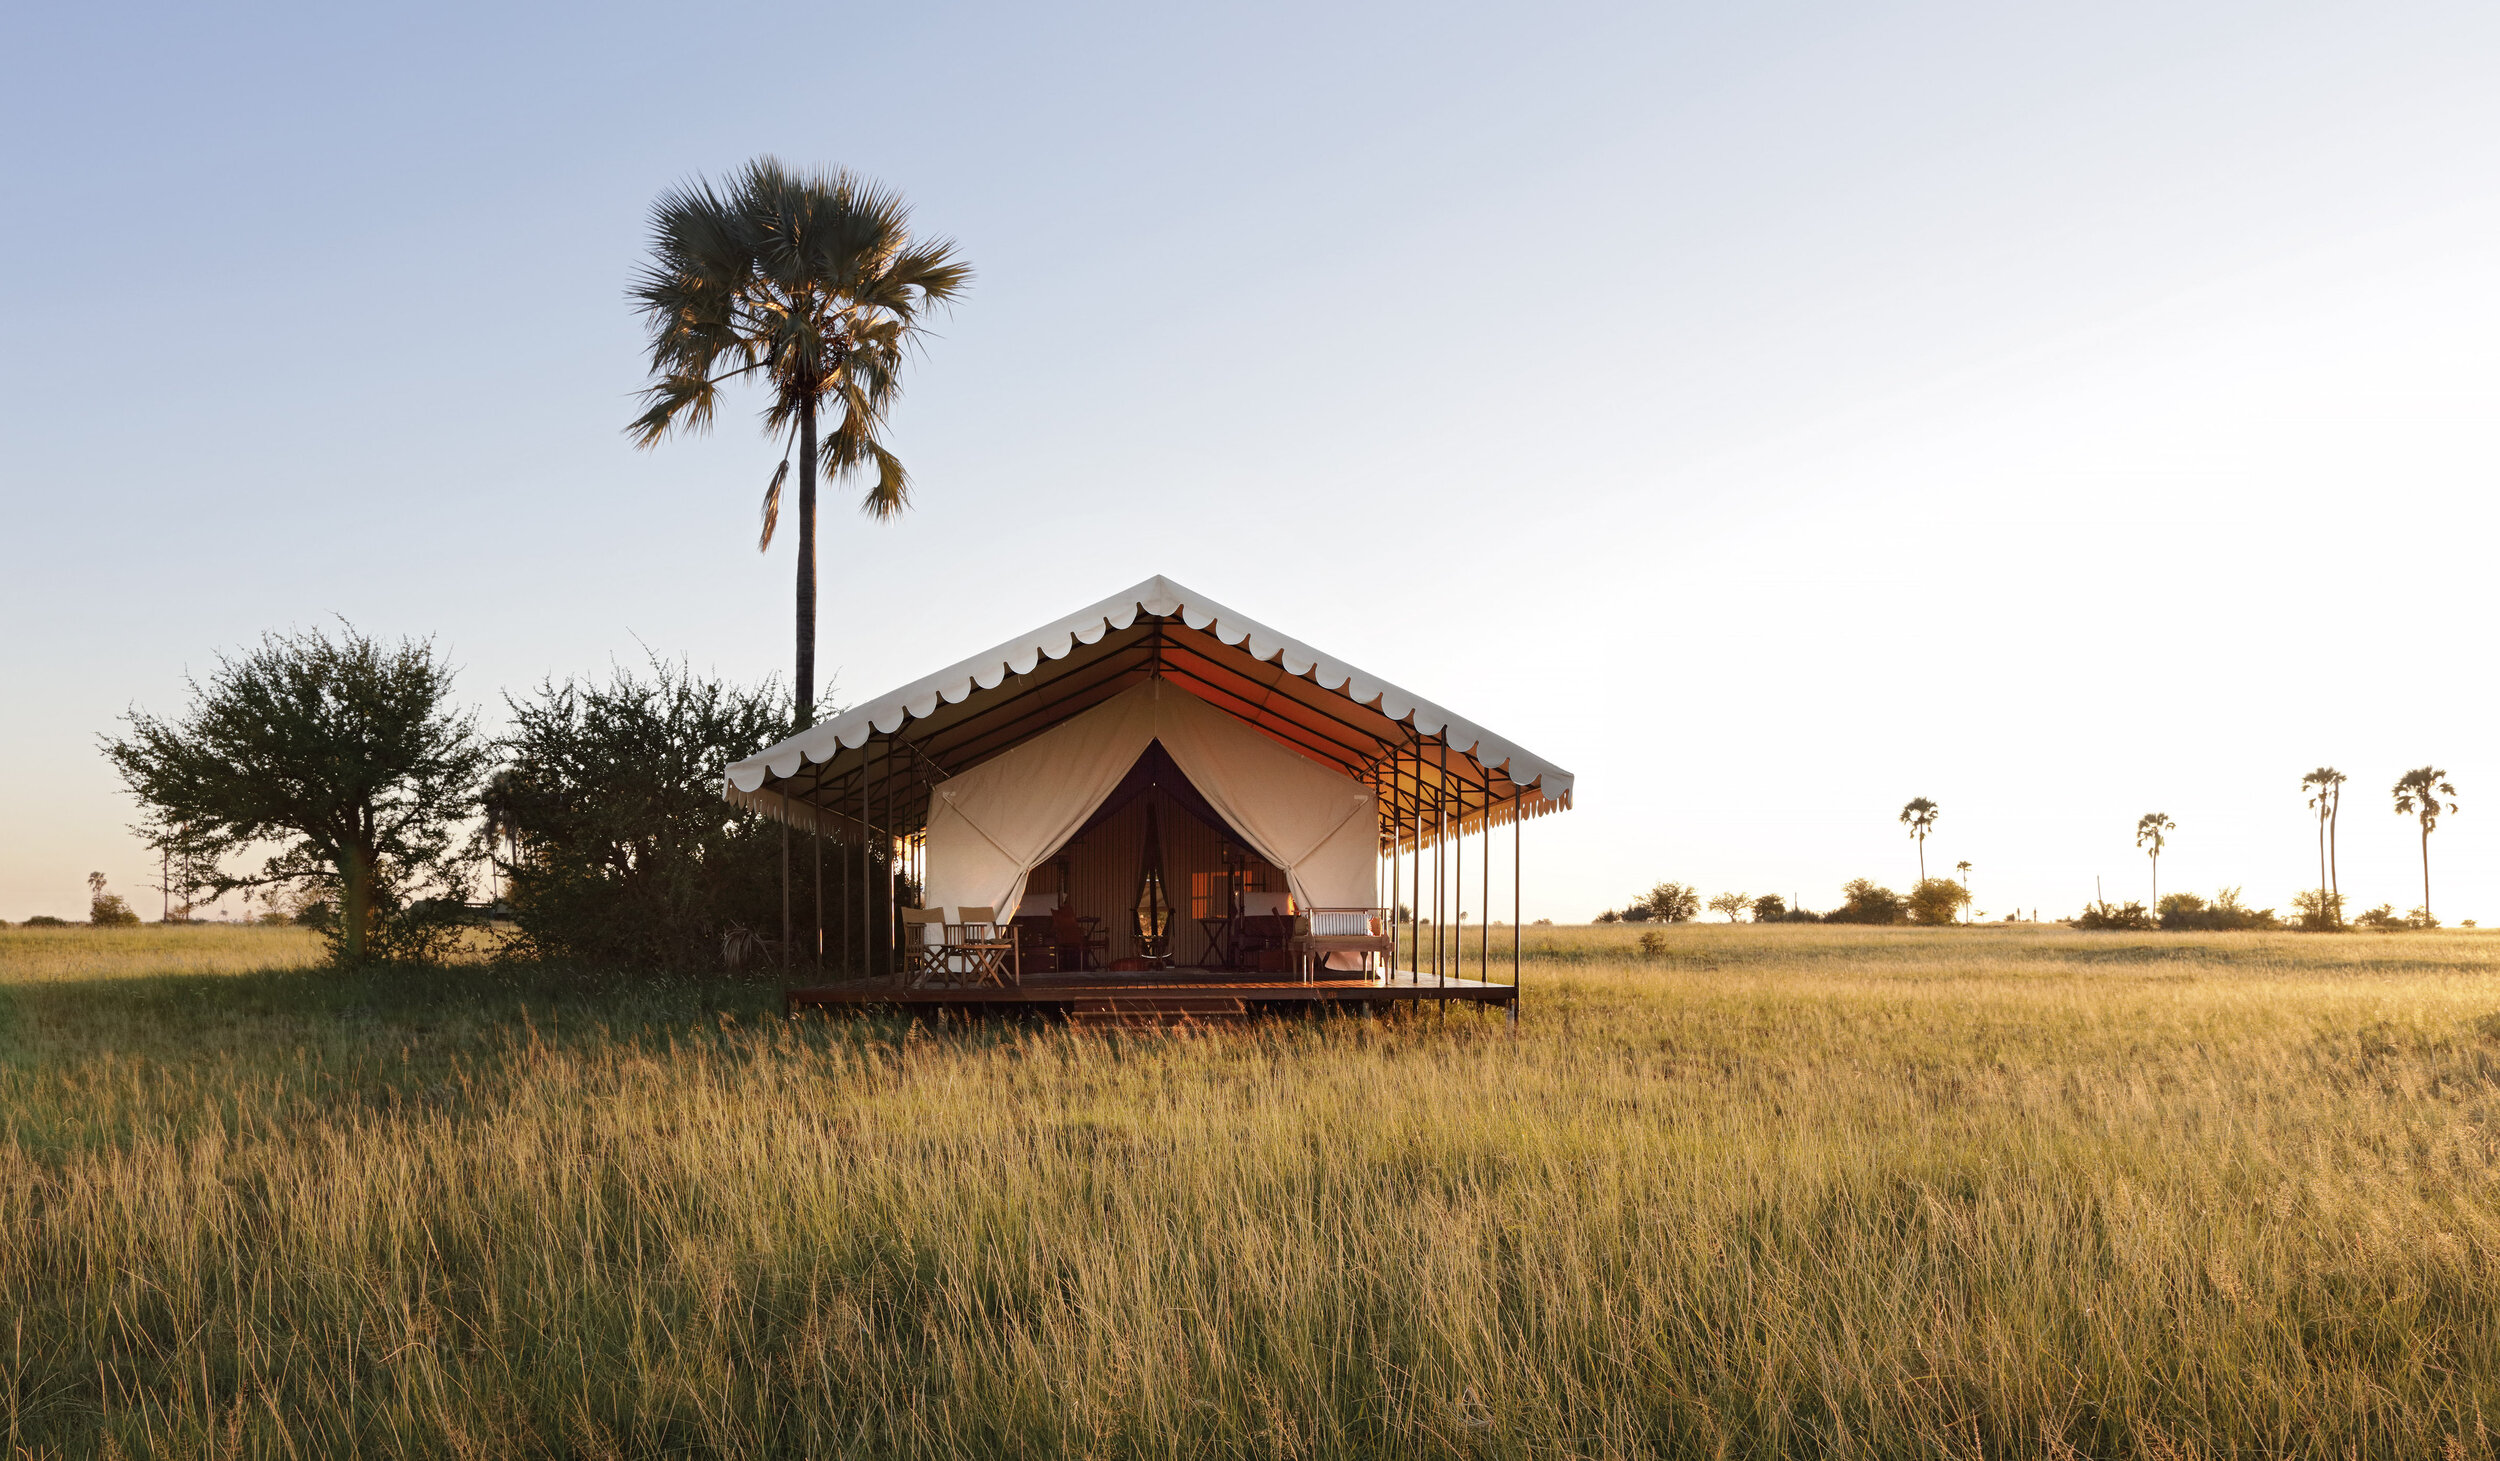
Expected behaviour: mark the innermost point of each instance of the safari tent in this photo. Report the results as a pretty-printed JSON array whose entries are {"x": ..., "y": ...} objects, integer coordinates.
[{"x": 1199, "y": 790}]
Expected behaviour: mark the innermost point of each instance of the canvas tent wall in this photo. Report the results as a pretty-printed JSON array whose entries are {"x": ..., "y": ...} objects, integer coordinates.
[
  {"x": 874, "y": 776},
  {"x": 991, "y": 826}
]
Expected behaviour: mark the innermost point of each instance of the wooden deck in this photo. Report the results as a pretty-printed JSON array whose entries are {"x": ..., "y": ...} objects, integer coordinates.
[{"x": 1175, "y": 990}]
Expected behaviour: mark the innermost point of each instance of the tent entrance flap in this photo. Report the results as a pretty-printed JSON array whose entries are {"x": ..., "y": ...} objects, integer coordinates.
[
  {"x": 1154, "y": 771},
  {"x": 1159, "y": 870},
  {"x": 990, "y": 826}
]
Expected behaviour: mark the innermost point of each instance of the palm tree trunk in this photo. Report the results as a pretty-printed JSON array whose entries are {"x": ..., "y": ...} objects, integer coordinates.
[
  {"x": 2426, "y": 873},
  {"x": 2334, "y": 864},
  {"x": 804, "y": 689},
  {"x": 2325, "y": 919},
  {"x": 1922, "y": 857}
]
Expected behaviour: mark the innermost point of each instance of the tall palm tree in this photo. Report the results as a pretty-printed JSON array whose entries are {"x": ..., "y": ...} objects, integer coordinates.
[
  {"x": 1963, "y": 867},
  {"x": 2152, "y": 830},
  {"x": 1920, "y": 817},
  {"x": 2418, "y": 792},
  {"x": 2326, "y": 788},
  {"x": 811, "y": 284}
]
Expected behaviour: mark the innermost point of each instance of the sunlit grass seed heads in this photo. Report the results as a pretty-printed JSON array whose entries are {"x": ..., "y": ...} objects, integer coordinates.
[{"x": 1781, "y": 1191}]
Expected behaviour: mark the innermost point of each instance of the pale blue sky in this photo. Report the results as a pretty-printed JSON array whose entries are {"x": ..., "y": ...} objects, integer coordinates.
[{"x": 1772, "y": 413}]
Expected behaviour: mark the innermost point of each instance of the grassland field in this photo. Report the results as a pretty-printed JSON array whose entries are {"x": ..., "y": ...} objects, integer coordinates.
[{"x": 1774, "y": 1192}]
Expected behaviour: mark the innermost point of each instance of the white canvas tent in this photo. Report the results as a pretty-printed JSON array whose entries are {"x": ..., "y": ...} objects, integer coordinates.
[
  {"x": 994, "y": 824},
  {"x": 976, "y": 775}
]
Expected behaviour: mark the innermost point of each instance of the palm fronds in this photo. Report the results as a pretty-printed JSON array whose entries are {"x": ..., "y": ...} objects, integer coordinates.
[
  {"x": 772, "y": 506},
  {"x": 810, "y": 280}
]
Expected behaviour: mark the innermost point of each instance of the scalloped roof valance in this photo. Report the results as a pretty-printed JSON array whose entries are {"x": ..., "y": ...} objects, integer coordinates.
[{"x": 882, "y": 756}]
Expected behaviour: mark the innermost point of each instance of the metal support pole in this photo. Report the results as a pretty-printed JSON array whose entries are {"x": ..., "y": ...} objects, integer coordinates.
[
  {"x": 1415, "y": 915},
  {"x": 1458, "y": 893},
  {"x": 1440, "y": 860},
  {"x": 1484, "y": 900},
  {"x": 893, "y": 935},
  {"x": 1518, "y": 814},
  {"x": 785, "y": 878},
  {"x": 867, "y": 947},
  {"x": 1397, "y": 868},
  {"x": 816, "y": 840},
  {"x": 1381, "y": 886}
]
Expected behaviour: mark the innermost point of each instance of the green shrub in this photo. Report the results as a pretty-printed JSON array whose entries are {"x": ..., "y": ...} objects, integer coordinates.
[
  {"x": 1937, "y": 901},
  {"x": 2385, "y": 919},
  {"x": 1772, "y": 908},
  {"x": 2319, "y": 910},
  {"x": 2186, "y": 912},
  {"x": 1863, "y": 901},
  {"x": 45, "y": 920},
  {"x": 615, "y": 844},
  {"x": 106, "y": 909},
  {"x": 2105, "y": 918}
]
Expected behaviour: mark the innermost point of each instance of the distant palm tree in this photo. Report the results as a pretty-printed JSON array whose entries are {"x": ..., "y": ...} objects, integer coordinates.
[
  {"x": 2418, "y": 792},
  {"x": 1963, "y": 867},
  {"x": 1920, "y": 817},
  {"x": 811, "y": 283},
  {"x": 2326, "y": 788},
  {"x": 2151, "y": 831}
]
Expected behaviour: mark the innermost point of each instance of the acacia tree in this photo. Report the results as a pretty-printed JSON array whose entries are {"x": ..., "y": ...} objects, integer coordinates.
[
  {"x": 1665, "y": 903},
  {"x": 1919, "y": 815},
  {"x": 811, "y": 284},
  {"x": 2152, "y": 831},
  {"x": 1731, "y": 904},
  {"x": 2418, "y": 793},
  {"x": 347, "y": 756},
  {"x": 2326, "y": 788}
]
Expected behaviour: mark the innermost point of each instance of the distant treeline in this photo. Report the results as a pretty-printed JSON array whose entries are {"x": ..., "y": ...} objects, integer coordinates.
[
  {"x": 1942, "y": 901},
  {"x": 1934, "y": 900}
]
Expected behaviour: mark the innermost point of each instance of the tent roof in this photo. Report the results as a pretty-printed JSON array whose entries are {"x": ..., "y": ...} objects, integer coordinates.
[{"x": 882, "y": 755}]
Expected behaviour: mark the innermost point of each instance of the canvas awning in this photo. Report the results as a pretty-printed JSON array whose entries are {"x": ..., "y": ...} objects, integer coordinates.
[{"x": 877, "y": 765}]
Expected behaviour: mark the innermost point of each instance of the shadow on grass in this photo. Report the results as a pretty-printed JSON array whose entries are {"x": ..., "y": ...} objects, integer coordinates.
[
  {"x": 157, "y": 1015},
  {"x": 481, "y": 1012}
]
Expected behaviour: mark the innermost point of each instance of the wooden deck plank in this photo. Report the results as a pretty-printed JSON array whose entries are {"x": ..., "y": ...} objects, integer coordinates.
[{"x": 1065, "y": 991}]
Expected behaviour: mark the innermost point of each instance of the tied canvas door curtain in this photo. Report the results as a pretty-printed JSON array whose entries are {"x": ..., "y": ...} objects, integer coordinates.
[{"x": 990, "y": 826}]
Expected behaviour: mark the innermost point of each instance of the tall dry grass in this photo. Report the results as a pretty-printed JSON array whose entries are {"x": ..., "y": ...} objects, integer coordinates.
[{"x": 1773, "y": 1192}]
